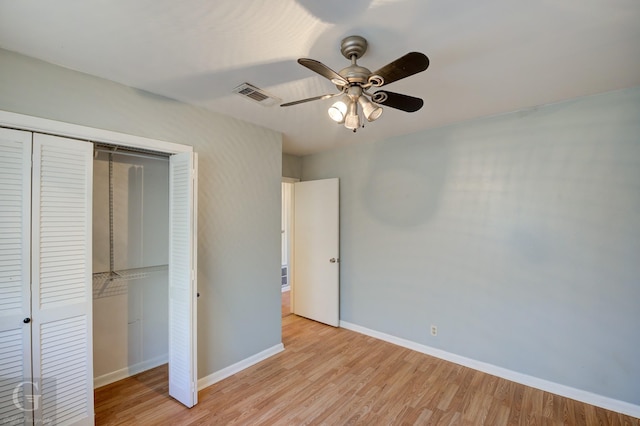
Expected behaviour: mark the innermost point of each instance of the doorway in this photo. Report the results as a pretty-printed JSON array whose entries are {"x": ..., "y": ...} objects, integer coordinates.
[
  {"x": 310, "y": 249},
  {"x": 286, "y": 264}
]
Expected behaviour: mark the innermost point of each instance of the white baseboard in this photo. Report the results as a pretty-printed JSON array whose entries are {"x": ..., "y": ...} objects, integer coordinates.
[
  {"x": 238, "y": 366},
  {"x": 129, "y": 371},
  {"x": 545, "y": 385}
]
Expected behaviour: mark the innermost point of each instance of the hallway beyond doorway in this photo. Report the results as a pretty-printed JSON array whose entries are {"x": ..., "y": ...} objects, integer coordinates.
[{"x": 286, "y": 303}]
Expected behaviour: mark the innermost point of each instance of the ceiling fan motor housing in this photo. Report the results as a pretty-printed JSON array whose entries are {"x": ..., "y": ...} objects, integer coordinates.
[{"x": 355, "y": 74}]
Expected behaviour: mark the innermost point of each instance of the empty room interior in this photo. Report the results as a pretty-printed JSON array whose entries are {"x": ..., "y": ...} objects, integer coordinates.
[{"x": 302, "y": 212}]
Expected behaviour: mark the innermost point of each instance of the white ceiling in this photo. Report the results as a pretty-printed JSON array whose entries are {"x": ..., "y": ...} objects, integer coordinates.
[{"x": 487, "y": 57}]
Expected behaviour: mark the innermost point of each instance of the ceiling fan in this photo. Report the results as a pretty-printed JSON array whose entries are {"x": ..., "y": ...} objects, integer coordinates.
[{"x": 355, "y": 81}]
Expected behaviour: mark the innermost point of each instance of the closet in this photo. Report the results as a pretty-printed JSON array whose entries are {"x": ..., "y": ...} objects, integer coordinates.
[
  {"x": 130, "y": 262},
  {"x": 46, "y": 269}
]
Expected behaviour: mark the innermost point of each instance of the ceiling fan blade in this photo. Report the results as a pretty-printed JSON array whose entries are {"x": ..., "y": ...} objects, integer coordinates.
[
  {"x": 398, "y": 101},
  {"x": 315, "y": 98},
  {"x": 323, "y": 70},
  {"x": 410, "y": 64}
]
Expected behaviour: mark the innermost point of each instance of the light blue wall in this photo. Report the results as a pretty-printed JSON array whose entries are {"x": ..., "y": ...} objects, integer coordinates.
[
  {"x": 240, "y": 169},
  {"x": 517, "y": 235}
]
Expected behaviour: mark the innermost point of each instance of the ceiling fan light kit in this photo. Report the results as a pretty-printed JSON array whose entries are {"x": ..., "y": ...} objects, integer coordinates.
[
  {"x": 352, "y": 121},
  {"x": 338, "y": 111},
  {"x": 354, "y": 82},
  {"x": 371, "y": 110}
]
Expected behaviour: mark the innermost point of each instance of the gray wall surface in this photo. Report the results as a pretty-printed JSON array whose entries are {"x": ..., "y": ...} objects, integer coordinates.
[
  {"x": 517, "y": 235},
  {"x": 240, "y": 170},
  {"x": 291, "y": 166}
]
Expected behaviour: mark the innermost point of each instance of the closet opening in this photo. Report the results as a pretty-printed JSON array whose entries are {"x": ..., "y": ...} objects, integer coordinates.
[{"x": 130, "y": 262}]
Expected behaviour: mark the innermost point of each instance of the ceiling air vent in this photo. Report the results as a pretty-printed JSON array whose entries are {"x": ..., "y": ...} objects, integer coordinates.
[{"x": 250, "y": 91}]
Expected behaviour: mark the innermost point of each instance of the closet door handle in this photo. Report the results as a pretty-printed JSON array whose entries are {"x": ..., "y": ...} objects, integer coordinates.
[{"x": 26, "y": 320}]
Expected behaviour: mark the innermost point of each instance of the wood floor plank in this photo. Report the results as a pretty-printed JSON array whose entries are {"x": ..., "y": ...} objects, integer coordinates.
[{"x": 334, "y": 376}]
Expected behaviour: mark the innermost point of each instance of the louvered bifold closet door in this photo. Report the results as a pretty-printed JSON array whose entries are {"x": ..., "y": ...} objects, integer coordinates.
[
  {"x": 61, "y": 279},
  {"x": 182, "y": 278},
  {"x": 15, "y": 239}
]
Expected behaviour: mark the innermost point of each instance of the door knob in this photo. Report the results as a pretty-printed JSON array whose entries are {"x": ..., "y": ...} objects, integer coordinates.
[
  {"x": 26, "y": 320},
  {"x": 334, "y": 260}
]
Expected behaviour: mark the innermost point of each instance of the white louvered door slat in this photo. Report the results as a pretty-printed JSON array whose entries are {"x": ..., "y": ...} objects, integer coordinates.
[
  {"x": 15, "y": 293},
  {"x": 61, "y": 278},
  {"x": 182, "y": 279}
]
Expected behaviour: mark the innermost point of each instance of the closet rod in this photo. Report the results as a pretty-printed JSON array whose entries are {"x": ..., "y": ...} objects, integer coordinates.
[{"x": 125, "y": 151}]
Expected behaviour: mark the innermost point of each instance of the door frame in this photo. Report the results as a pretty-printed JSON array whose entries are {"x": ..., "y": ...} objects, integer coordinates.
[{"x": 75, "y": 131}]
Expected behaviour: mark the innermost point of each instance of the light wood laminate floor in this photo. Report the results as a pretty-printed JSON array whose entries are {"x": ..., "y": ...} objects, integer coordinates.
[
  {"x": 334, "y": 376},
  {"x": 286, "y": 303}
]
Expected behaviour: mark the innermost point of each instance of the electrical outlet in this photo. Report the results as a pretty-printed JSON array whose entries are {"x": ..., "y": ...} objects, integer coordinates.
[{"x": 434, "y": 330}]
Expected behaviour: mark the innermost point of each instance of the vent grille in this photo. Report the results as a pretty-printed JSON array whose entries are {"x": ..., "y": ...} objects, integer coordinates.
[{"x": 257, "y": 95}]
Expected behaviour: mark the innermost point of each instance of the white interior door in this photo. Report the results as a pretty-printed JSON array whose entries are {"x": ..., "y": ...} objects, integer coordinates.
[
  {"x": 15, "y": 285},
  {"x": 61, "y": 268},
  {"x": 316, "y": 283},
  {"x": 182, "y": 278}
]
